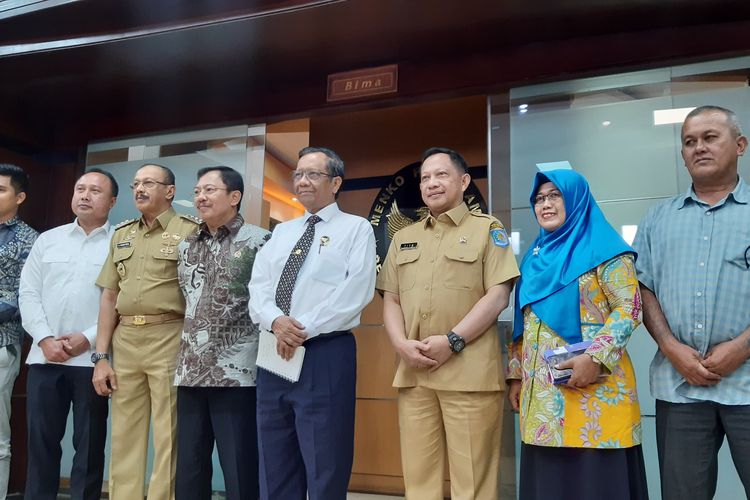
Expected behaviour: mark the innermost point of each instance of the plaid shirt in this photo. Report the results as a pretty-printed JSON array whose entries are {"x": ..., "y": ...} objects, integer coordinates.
[
  {"x": 16, "y": 240},
  {"x": 695, "y": 257}
]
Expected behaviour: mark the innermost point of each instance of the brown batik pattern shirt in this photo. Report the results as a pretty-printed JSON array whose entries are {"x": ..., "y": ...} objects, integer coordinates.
[{"x": 219, "y": 342}]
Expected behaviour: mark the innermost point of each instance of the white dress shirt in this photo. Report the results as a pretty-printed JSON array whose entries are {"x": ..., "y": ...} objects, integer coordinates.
[
  {"x": 58, "y": 294},
  {"x": 336, "y": 281}
]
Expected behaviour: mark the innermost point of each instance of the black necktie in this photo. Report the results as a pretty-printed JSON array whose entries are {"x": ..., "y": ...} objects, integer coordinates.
[{"x": 293, "y": 264}]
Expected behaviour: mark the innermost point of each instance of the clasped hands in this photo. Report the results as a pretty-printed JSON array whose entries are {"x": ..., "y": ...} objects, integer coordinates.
[
  {"x": 720, "y": 361},
  {"x": 61, "y": 349},
  {"x": 430, "y": 353}
]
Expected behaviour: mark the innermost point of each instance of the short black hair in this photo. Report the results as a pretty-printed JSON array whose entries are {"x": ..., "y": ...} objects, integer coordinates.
[
  {"x": 334, "y": 164},
  {"x": 167, "y": 172},
  {"x": 19, "y": 179},
  {"x": 229, "y": 176},
  {"x": 114, "y": 188},
  {"x": 458, "y": 161}
]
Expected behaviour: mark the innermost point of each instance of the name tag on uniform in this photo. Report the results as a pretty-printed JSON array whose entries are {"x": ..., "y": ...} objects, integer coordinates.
[
  {"x": 408, "y": 246},
  {"x": 124, "y": 244}
]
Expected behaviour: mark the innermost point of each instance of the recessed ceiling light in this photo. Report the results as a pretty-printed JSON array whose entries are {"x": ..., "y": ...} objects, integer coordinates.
[
  {"x": 523, "y": 106},
  {"x": 606, "y": 123}
]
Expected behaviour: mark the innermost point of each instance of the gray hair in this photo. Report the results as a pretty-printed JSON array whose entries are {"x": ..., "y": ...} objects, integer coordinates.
[
  {"x": 334, "y": 163},
  {"x": 732, "y": 120}
]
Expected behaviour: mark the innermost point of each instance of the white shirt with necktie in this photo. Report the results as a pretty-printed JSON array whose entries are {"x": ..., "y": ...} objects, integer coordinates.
[{"x": 334, "y": 284}]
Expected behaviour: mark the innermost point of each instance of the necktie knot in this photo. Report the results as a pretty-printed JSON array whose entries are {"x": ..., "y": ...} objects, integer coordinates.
[{"x": 314, "y": 219}]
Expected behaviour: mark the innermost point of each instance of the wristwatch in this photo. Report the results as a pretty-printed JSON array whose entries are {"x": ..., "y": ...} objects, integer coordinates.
[
  {"x": 457, "y": 342},
  {"x": 98, "y": 356}
]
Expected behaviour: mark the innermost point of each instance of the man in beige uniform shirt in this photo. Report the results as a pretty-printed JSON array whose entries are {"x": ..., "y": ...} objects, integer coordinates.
[
  {"x": 140, "y": 316},
  {"x": 445, "y": 280}
]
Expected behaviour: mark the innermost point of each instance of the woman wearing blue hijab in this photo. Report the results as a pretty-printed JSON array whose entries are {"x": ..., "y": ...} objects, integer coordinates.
[{"x": 581, "y": 438}]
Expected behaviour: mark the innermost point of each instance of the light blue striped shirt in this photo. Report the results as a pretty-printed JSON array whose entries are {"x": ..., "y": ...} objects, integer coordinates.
[{"x": 694, "y": 257}]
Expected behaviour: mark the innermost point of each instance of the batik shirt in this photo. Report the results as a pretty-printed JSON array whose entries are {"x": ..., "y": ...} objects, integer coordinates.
[
  {"x": 16, "y": 240},
  {"x": 219, "y": 342},
  {"x": 605, "y": 414}
]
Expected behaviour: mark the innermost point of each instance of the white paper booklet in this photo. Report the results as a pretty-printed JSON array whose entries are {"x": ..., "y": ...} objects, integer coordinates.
[{"x": 269, "y": 359}]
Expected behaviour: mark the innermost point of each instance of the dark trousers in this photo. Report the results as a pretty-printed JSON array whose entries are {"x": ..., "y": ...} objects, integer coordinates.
[
  {"x": 225, "y": 415},
  {"x": 306, "y": 429},
  {"x": 688, "y": 438},
  {"x": 50, "y": 390}
]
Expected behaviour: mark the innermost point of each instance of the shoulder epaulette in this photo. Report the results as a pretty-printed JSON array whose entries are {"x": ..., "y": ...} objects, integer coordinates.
[
  {"x": 125, "y": 223},
  {"x": 191, "y": 218},
  {"x": 481, "y": 214}
]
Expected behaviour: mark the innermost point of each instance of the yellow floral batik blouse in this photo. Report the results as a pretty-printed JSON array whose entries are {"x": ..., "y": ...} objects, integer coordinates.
[{"x": 605, "y": 414}]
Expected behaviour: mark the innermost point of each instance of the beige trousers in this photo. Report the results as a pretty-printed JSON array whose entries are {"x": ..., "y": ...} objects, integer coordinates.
[
  {"x": 144, "y": 361},
  {"x": 465, "y": 424}
]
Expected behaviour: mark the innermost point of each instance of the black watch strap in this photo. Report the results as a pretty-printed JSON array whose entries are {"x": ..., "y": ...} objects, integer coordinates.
[{"x": 456, "y": 341}]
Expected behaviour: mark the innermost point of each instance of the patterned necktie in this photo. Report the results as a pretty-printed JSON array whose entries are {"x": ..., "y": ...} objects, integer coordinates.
[{"x": 293, "y": 264}]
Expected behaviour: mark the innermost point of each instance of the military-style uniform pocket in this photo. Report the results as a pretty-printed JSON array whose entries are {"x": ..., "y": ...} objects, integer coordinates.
[
  {"x": 120, "y": 257},
  {"x": 406, "y": 260},
  {"x": 462, "y": 269}
]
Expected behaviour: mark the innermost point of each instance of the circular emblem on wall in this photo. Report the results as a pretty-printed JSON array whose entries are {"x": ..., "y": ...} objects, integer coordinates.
[{"x": 399, "y": 204}]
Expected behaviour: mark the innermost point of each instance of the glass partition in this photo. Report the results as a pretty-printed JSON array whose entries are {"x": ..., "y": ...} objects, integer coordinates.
[{"x": 239, "y": 147}]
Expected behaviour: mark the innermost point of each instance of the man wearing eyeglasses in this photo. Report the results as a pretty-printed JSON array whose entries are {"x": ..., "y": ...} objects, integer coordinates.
[
  {"x": 216, "y": 374},
  {"x": 140, "y": 317},
  {"x": 695, "y": 285},
  {"x": 309, "y": 285}
]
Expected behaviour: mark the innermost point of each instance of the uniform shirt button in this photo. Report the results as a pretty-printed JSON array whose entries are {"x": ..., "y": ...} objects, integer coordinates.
[
  {"x": 427, "y": 287},
  {"x": 424, "y": 316},
  {"x": 702, "y": 264},
  {"x": 145, "y": 235},
  {"x": 699, "y": 294},
  {"x": 699, "y": 325},
  {"x": 437, "y": 235},
  {"x": 705, "y": 238}
]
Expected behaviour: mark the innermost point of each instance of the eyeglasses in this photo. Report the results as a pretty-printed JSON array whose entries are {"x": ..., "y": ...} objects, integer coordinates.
[
  {"x": 147, "y": 184},
  {"x": 553, "y": 197},
  {"x": 208, "y": 190},
  {"x": 312, "y": 175}
]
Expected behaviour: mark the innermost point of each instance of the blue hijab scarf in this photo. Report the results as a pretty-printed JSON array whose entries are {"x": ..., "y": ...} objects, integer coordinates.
[{"x": 549, "y": 279}]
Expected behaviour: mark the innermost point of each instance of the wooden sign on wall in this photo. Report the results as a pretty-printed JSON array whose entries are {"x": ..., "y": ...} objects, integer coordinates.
[{"x": 363, "y": 83}]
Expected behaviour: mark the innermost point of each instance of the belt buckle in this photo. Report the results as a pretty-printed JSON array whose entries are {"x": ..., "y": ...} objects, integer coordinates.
[{"x": 139, "y": 320}]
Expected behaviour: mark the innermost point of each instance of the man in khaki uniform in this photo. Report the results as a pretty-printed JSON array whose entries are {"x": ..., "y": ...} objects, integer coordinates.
[
  {"x": 445, "y": 280},
  {"x": 140, "y": 316}
]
